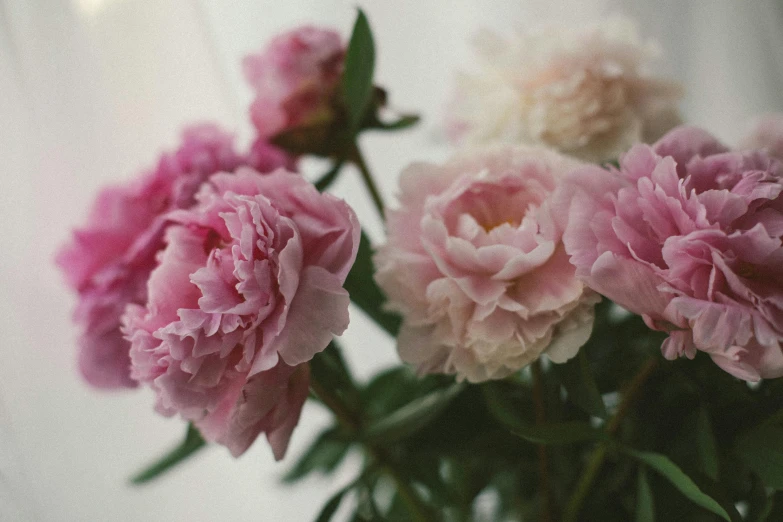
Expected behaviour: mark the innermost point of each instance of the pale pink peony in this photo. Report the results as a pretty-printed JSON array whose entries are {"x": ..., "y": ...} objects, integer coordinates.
[
  {"x": 295, "y": 79},
  {"x": 475, "y": 265},
  {"x": 587, "y": 91},
  {"x": 687, "y": 234},
  {"x": 109, "y": 260},
  {"x": 767, "y": 133},
  {"x": 247, "y": 290}
]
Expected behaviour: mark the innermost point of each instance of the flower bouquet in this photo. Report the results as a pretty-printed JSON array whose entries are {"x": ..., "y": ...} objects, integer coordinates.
[{"x": 587, "y": 299}]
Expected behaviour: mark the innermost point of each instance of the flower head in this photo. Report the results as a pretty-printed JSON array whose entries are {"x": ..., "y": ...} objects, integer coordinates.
[
  {"x": 295, "y": 80},
  {"x": 475, "y": 266},
  {"x": 584, "y": 91},
  {"x": 109, "y": 260},
  {"x": 247, "y": 290},
  {"x": 687, "y": 234}
]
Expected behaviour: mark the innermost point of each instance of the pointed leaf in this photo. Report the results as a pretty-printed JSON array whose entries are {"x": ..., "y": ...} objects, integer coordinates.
[
  {"x": 645, "y": 507},
  {"x": 326, "y": 452},
  {"x": 327, "y": 179},
  {"x": 330, "y": 508},
  {"x": 760, "y": 503},
  {"x": 190, "y": 445},
  {"x": 706, "y": 446},
  {"x": 365, "y": 293},
  {"x": 367, "y": 510},
  {"x": 773, "y": 510},
  {"x": 329, "y": 369},
  {"x": 761, "y": 449},
  {"x": 411, "y": 417},
  {"x": 358, "y": 72},
  {"x": 404, "y": 121},
  {"x": 679, "y": 480},
  {"x": 559, "y": 433},
  {"x": 577, "y": 378}
]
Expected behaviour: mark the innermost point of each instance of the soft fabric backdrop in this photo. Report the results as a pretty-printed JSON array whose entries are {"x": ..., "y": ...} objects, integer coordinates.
[{"x": 90, "y": 90}]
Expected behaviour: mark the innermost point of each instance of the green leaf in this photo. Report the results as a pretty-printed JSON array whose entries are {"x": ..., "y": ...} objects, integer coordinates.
[
  {"x": 327, "y": 179},
  {"x": 559, "y": 433},
  {"x": 761, "y": 449},
  {"x": 405, "y": 121},
  {"x": 358, "y": 72},
  {"x": 645, "y": 507},
  {"x": 411, "y": 417},
  {"x": 330, "y": 508},
  {"x": 392, "y": 389},
  {"x": 679, "y": 480},
  {"x": 760, "y": 504},
  {"x": 367, "y": 509},
  {"x": 326, "y": 452},
  {"x": 329, "y": 369},
  {"x": 706, "y": 446},
  {"x": 773, "y": 510},
  {"x": 577, "y": 378},
  {"x": 500, "y": 406},
  {"x": 365, "y": 293},
  {"x": 190, "y": 445}
]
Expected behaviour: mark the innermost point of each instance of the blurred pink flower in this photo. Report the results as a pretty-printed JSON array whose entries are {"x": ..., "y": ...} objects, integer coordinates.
[
  {"x": 687, "y": 234},
  {"x": 247, "y": 290},
  {"x": 767, "y": 133},
  {"x": 109, "y": 260},
  {"x": 295, "y": 79},
  {"x": 475, "y": 265}
]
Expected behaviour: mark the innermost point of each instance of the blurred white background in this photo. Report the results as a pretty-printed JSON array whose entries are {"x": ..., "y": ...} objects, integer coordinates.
[{"x": 91, "y": 90}]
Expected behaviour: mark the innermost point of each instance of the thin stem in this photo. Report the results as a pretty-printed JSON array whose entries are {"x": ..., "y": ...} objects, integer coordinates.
[
  {"x": 358, "y": 160},
  {"x": 599, "y": 454},
  {"x": 416, "y": 508},
  {"x": 543, "y": 459},
  {"x": 352, "y": 422}
]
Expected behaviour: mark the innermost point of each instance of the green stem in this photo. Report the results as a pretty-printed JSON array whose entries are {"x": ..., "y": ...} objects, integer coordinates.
[
  {"x": 358, "y": 160},
  {"x": 352, "y": 422},
  {"x": 599, "y": 454},
  {"x": 543, "y": 459},
  {"x": 418, "y": 511},
  {"x": 346, "y": 418}
]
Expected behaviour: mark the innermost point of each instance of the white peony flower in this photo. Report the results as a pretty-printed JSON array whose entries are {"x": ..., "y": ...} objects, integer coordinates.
[{"x": 584, "y": 91}]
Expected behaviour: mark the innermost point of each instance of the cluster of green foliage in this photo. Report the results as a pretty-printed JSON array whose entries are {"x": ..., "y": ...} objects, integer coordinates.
[{"x": 616, "y": 434}]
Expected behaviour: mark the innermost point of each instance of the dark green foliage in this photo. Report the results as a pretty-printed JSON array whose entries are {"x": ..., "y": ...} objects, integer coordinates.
[
  {"x": 359, "y": 66},
  {"x": 661, "y": 464},
  {"x": 614, "y": 435},
  {"x": 645, "y": 507},
  {"x": 326, "y": 452},
  {"x": 689, "y": 446},
  {"x": 576, "y": 376},
  {"x": 365, "y": 293},
  {"x": 761, "y": 450},
  {"x": 190, "y": 445}
]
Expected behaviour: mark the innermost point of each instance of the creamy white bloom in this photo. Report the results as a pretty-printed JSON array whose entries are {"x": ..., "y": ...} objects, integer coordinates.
[{"x": 586, "y": 91}]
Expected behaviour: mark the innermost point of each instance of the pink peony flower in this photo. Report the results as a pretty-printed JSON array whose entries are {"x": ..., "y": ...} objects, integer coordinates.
[
  {"x": 109, "y": 260},
  {"x": 247, "y": 290},
  {"x": 687, "y": 234},
  {"x": 767, "y": 133},
  {"x": 475, "y": 265},
  {"x": 295, "y": 79}
]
